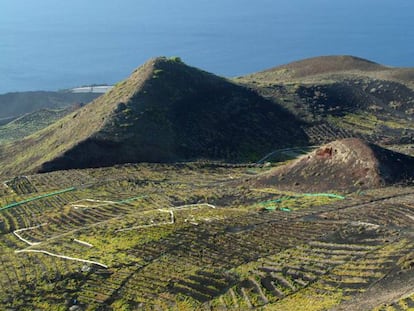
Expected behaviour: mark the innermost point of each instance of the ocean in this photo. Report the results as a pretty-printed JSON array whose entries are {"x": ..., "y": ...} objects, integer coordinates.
[{"x": 57, "y": 44}]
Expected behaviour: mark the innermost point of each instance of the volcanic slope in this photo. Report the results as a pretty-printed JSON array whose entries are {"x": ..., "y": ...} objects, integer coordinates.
[
  {"x": 165, "y": 111},
  {"x": 343, "y": 165},
  {"x": 343, "y": 96}
]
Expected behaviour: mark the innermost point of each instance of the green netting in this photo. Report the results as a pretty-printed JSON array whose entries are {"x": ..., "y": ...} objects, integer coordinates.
[
  {"x": 14, "y": 204},
  {"x": 131, "y": 199},
  {"x": 329, "y": 195},
  {"x": 290, "y": 197}
]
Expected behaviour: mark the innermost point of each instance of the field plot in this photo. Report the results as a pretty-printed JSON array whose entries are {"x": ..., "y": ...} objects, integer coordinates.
[{"x": 195, "y": 236}]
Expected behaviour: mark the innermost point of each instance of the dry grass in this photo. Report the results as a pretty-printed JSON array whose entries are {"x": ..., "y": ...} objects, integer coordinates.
[{"x": 327, "y": 69}]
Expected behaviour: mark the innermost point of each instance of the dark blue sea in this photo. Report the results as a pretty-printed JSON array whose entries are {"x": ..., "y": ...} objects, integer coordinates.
[{"x": 56, "y": 44}]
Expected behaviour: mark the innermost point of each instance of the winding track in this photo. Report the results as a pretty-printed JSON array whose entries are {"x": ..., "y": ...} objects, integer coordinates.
[
  {"x": 31, "y": 244},
  {"x": 61, "y": 256},
  {"x": 16, "y": 233}
]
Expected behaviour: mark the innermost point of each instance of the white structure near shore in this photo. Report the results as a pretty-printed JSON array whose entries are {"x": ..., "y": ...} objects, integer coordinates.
[{"x": 92, "y": 89}]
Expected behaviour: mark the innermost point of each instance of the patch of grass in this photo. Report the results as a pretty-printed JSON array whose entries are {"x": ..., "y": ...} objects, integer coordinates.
[
  {"x": 224, "y": 256},
  {"x": 309, "y": 299}
]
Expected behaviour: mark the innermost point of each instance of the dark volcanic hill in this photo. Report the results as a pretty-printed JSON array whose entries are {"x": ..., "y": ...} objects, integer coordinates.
[
  {"x": 165, "y": 111},
  {"x": 343, "y": 96},
  {"x": 343, "y": 165}
]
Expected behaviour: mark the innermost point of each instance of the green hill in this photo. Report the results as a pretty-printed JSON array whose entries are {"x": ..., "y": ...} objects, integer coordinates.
[
  {"x": 330, "y": 230},
  {"x": 165, "y": 111}
]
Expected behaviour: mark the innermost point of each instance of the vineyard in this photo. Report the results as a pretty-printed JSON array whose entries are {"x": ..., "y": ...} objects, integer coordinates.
[{"x": 197, "y": 236}]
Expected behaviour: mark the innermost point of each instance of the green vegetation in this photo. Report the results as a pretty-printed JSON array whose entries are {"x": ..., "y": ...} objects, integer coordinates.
[
  {"x": 165, "y": 111},
  {"x": 192, "y": 236},
  {"x": 292, "y": 202},
  {"x": 342, "y": 96},
  {"x": 310, "y": 299},
  {"x": 176, "y": 59},
  {"x": 369, "y": 124},
  {"x": 210, "y": 235}
]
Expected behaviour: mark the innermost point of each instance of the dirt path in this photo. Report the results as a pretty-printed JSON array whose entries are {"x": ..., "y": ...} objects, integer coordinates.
[
  {"x": 61, "y": 256},
  {"x": 281, "y": 151},
  {"x": 16, "y": 233},
  {"x": 391, "y": 288},
  {"x": 31, "y": 244}
]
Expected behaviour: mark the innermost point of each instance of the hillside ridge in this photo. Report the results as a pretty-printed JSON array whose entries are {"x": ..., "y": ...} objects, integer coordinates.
[
  {"x": 165, "y": 111},
  {"x": 326, "y": 68},
  {"x": 343, "y": 96}
]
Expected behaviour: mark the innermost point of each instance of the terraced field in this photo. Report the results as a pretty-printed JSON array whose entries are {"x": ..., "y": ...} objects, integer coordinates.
[{"x": 195, "y": 236}]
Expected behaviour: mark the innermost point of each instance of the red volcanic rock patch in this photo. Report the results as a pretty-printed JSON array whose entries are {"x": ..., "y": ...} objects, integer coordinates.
[
  {"x": 324, "y": 152},
  {"x": 342, "y": 165}
]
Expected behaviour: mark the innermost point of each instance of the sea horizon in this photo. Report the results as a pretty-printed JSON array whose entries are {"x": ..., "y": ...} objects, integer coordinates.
[{"x": 72, "y": 44}]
